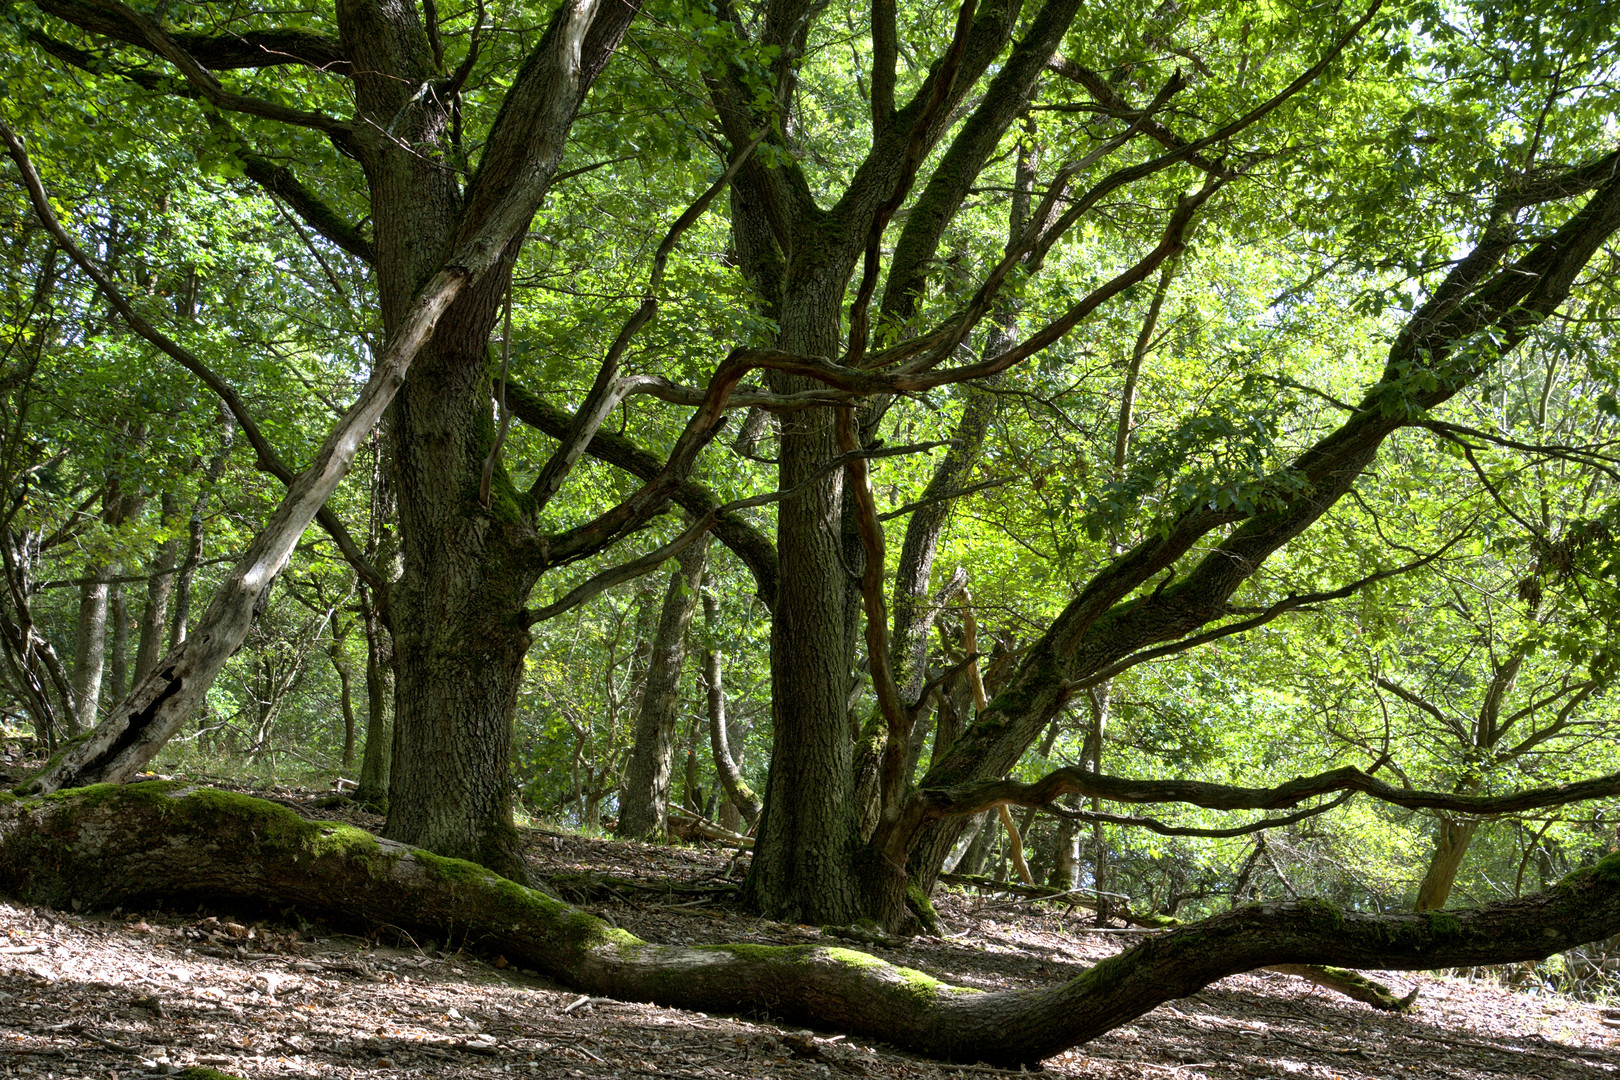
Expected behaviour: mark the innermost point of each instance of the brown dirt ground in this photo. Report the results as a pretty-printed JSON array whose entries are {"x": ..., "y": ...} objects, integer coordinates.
[{"x": 126, "y": 994}]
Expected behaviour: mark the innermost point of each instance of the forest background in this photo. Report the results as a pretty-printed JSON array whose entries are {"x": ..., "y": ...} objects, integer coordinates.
[{"x": 1018, "y": 343}]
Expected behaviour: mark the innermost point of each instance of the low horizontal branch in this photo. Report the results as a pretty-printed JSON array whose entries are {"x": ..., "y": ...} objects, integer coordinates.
[{"x": 976, "y": 797}]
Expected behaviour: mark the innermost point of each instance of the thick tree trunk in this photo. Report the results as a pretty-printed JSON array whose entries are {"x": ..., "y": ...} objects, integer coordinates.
[
  {"x": 453, "y": 704},
  {"x": 166, "y": 841},
  {"x": 803, "y": 868},
  {"x": 644, "y": 800}
]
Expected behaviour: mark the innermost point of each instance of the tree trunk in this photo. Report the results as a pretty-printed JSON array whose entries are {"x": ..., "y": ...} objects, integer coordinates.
[
  {"x": 803, "y": 868},
  {"x": 1450, "y": 845},
  {"x": 345, "y": 673},
  {"x": 644, "y": 800},
  {"x": 155, "y": 615},
  {"x": 376, "y": 763},
  {"x": 196, "y": 525},
  {"x": 743, "y": 803},
  {"x": 89, "y": 648},
  {"x": 118, "y": 616},
  {"x": 170, "y": 842}
]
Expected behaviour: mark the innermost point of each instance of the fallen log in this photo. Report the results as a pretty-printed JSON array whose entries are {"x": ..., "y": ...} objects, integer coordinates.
[{"x": 109, "y": 845}]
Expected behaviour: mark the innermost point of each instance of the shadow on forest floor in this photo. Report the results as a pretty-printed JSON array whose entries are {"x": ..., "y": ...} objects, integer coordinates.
[{"x": 126, "y": 994}]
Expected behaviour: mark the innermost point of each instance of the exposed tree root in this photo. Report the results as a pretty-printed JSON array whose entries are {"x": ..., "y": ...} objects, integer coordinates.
[{"x": 110, "y": 845}]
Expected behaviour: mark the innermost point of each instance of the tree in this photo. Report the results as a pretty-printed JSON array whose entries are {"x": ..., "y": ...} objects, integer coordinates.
[
  {"x": 1416, "y": 237},
  {"x": 443, "y": 247}
]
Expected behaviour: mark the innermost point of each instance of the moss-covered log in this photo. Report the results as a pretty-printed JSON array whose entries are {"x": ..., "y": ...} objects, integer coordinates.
[{"x": 110, "y": 845}]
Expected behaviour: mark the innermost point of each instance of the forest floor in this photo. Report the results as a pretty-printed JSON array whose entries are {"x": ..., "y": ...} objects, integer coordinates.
[{"x": 128, "y": 994}]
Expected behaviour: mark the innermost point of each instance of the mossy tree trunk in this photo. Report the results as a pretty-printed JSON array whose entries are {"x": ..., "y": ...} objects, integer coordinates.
[{"x": 140, "y": 843}]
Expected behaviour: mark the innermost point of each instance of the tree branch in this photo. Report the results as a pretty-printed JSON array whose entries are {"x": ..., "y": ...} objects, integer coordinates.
[
  {"x": 269, "y": 461},
  {"x": 983, "y": 795},
  {"x": 243, "y": 49}
]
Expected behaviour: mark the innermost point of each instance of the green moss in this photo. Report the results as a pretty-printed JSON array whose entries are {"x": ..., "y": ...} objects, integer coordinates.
[
  {"x": 855, "y": 958},
  {"x": 1323, "y": 913},
  {"x": 1606, "y": 871},
  {"x": 1443, "y": 923},
  {"x": 61, "y": 751},
  {"x": 761, "y": 953},
  {"x": 922, "y": 907},
  {"x": 510, "y": 902},
  {"x": 199, "y": 1072},
  {"x": 1161, "y": 922}
]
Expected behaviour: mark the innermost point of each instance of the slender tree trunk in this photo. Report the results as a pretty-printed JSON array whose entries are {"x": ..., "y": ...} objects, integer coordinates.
[
  {"x": 1451, "y": 843},
  {"x": 118, "y": 617},
  {"x": 196, "y": 527},
  {"x": 644, "y": 800},
  {"x": 89, "y": 648},
  {"x": 155, "y": 615},
  {"x": 743, "y": 801},
  {"x": 339, "y": 656},
  {"x": 376, "y": 764}
]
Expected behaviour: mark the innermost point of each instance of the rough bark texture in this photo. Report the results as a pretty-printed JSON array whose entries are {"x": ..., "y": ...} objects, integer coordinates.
[
  {"x": 644, "y": 800},
  {"x": 111, "y": 845},
  {"x": 443, "y": 257}
]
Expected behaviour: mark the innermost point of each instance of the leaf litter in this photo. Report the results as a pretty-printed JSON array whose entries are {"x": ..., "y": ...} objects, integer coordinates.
[{"x": 122, "y": 995}]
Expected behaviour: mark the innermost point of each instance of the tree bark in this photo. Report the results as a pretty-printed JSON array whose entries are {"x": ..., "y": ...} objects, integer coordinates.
[
  {"x": 173, "y": 842},
  {"x": 196, "y": 526},
  {"x": 742, "y": 800},
  {"x": 1451, "y": 841},
  {"x": 644, "y": 799},
  {"x": 376, "y": 761},
  {"x": 338, "y": 654},
  {"x": 155, "y": 615},
  {"x": 89, "y": 648},
  {"x": 443, "y": 259}
]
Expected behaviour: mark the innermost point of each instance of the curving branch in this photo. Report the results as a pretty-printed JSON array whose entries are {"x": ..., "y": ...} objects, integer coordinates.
[
  {"x": 221, "y": 52},
  {"x": 1136, "y": 821},
  {"x": 936, "y": 803},
  {"x": 609, "y": 388},
  {"x": 149, "y": 35},
  {"x": 745, "y": 540},
  {"x": 280, "y": 181},
  {"x": 1115, "y": 105}
]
